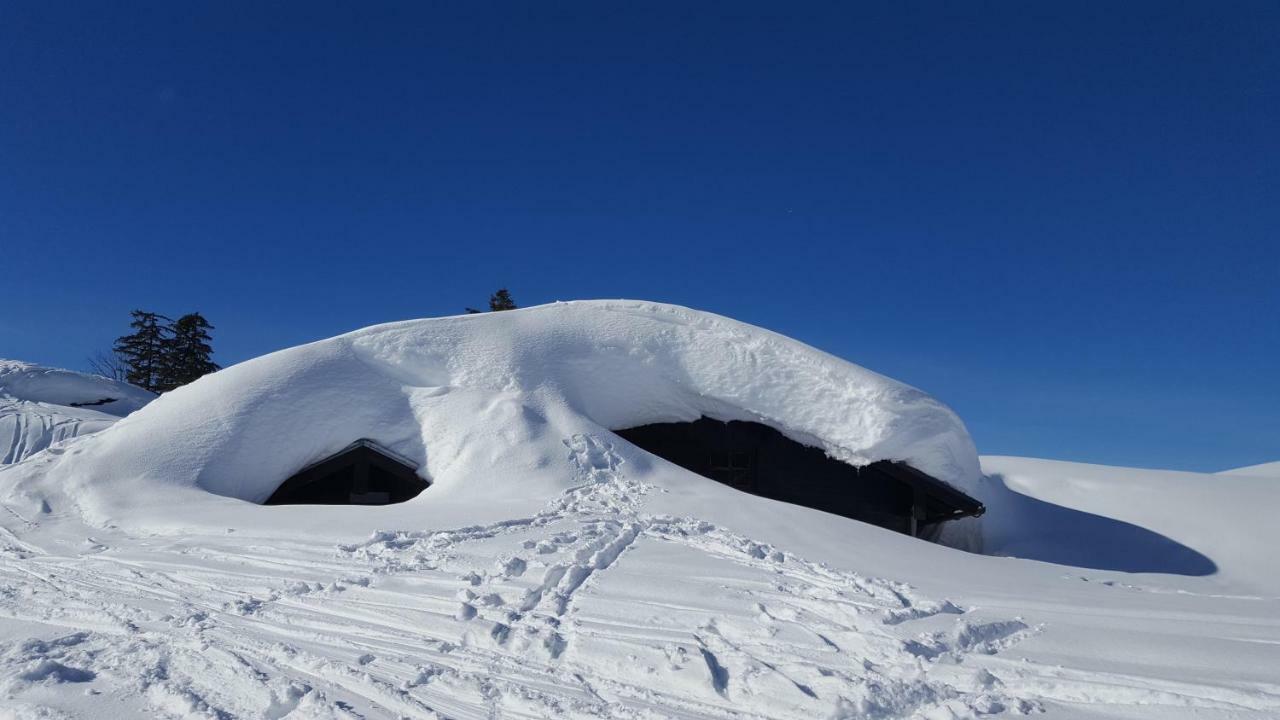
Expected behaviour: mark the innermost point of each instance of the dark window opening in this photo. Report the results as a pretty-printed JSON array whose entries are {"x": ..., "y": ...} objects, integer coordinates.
[
  {"x": 364, "y": 473},
  {"x": 759, "y": 460},
  {"x": 94, "y": 403}
]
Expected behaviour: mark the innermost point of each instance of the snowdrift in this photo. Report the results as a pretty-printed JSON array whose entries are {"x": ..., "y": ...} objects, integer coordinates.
[
  {"x": 41, "y": 406},
  {"x": 1132, "y": 520},
  {"x": 483, "y": 405}
]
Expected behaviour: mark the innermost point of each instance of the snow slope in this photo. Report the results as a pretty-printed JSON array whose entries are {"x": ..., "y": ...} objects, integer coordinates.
[
  {"x": 555, "y": 571},
  {"x": 40, "y": 406},
  {"x": 28, "y": 427},
  {"x": 1134, "y": 520},
  {"x": 1271, "y": 470}
]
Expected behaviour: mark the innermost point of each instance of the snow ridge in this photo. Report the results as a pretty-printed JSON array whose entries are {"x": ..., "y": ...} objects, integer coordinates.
[{"x": 41, "y": 407}]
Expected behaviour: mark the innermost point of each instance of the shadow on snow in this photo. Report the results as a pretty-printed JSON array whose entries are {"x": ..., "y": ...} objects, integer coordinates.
[{"x": 1021, "y": 526}]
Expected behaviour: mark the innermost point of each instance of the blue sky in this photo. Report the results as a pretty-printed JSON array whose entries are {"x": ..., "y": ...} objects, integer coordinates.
[{"x": 1063, "y": 221}]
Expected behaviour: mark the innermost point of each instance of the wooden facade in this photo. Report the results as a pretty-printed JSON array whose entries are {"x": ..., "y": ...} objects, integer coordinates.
[
  {"x": 759, "y": 460},
  {"x": 363, "y": 473}
]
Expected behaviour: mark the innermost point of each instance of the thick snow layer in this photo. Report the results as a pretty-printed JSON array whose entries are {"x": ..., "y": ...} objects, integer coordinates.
[
  {"x": 483, "y": 403},
  {"x": 41, "y": 406},
  {"x": 25, "y": 381}
]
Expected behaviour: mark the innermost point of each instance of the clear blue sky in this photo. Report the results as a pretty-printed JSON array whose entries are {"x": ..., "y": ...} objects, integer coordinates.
[{"x": 1063, "y": 221}]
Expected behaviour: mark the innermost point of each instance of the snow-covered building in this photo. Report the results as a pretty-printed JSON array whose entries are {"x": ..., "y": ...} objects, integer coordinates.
[
  {"x": 482, "y": 405},
  {"x": 41, "y": 406},
  {"x": 561, "y": 555}
]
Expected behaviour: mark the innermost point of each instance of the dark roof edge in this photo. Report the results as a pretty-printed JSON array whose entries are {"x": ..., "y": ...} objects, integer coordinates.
[
  {"x": 367, "y": 443},
  {"x": 966, "y": 506}
]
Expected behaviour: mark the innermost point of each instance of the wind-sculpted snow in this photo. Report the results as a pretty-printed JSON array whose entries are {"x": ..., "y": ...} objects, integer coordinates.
[
  {"x": 26, "y": 427},
  {"x": 34, "y": 383},
  {"x": 41, "y": 406},
  {"x": 1140, "y": 521},
  {"x": 464, "y": 396}
]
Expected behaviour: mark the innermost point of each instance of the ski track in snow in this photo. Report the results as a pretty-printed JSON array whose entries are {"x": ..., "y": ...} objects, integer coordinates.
[{"x": 519, "y": 620}]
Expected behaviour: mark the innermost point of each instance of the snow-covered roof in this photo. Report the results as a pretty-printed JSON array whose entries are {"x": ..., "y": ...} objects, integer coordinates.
[
  {"x": 41, "y": 406},
  {"x": 371, "y": 445},
  {"x": 36, "y": 383},
  {"x": 487, "y": 402}
]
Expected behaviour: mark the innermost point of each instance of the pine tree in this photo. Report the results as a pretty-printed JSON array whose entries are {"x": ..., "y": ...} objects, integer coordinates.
[
  {"x": 144, "y": 350},
  {"x": 188, "y": 352},
  {"x": 501, "y": 300}
]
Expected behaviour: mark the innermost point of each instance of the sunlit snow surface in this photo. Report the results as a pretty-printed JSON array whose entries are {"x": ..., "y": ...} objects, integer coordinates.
[
  {"x": 570, "y": 575},
  {"x": 42, "y": 406}
]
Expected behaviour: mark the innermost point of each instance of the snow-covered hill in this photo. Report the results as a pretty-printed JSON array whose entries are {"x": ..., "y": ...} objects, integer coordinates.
[
  {"x": 1135, "y": 520},
  {"x": 555, "y": 570},
  {"x": 40, "y": 406}
]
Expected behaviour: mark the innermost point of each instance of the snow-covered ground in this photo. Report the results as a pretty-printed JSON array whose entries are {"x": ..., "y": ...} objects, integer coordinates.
[
  {"x": 41, "y": 406},
  {"x": 620, "y": 598},
  {"x": 554, "y": 570}
]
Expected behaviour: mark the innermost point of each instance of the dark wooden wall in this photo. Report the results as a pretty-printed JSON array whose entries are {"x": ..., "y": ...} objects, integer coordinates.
[
  {"x": 758, "y": 459},
  {"x": 359, "y": 476}
]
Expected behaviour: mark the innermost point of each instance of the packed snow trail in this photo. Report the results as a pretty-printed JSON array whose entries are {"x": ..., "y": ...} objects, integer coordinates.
[
  {"x": 592, "y": 607},
  {"x": 696, "y": 660}
]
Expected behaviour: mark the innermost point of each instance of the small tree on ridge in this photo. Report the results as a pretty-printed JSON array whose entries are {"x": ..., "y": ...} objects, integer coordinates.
[
  {"x": 501, "y": 300},
  {"x": 143, "y": 350}
]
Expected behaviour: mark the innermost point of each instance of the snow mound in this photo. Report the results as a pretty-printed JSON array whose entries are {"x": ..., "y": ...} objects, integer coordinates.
[
  {"x": 483, "y": 404},
  {"x": 1131, "y": 520},
  {"x": 41, "y": 406},
  {"x": 26, "y": 427},
  {"x": 25, "y": 381}
]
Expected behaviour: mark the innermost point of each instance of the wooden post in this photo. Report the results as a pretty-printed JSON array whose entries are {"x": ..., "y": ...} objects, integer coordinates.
[
  {"x": 913, "y": 523},
  {"x": 918, "y": 518}
]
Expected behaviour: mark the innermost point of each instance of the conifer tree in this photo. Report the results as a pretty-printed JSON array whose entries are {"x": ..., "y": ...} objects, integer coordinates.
[
  {"x": 501, "y": 300},
  {"x": 188, "y": 352},
  {"x": 143, "y": 351}
]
